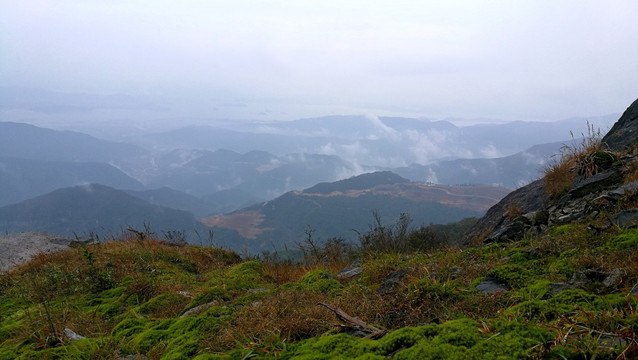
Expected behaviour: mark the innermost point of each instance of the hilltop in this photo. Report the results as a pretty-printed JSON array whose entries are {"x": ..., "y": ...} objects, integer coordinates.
[
  {"x": 344, "y": 208},
  {"x": 540, "y": 277}
]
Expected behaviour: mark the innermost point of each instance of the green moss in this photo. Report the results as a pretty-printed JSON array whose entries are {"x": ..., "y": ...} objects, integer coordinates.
[
  {"x": 519, "y": 258},
  {"x": 321, "y": 281},
  {"x": 628, "y": 239},
  {"x": 246, "y": 275},
  {"x": 161, "y": 303},
  {"x": 8, "y": 353},
  {"x": 537, "y": 290},
  {"x": 129, "y": 327},
  {"x": 430, "y": 289},
  {"x": 513, "y": 275},
  {"x": 215, "y": 293},
  {"x": 457, "y": 339},
  {"x": 182, "y": 347},
  {"x": 562, "y": 230}
]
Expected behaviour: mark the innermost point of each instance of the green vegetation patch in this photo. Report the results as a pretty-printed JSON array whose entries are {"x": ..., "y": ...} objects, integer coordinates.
[
  {"x": 321, "y": 281},
  {"x": 456, "y": 339},
  {"x": 628, "y": 239}
]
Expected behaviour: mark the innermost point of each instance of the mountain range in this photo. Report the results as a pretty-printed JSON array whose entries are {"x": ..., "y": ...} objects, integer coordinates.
[{"x": 346, "y": 208}]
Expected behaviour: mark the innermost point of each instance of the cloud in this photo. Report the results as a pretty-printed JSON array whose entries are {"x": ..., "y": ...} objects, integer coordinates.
[{"x": 516, "y": 60}]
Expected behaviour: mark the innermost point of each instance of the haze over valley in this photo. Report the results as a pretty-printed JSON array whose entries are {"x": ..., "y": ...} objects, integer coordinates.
[{"x": 207, "y": 113}]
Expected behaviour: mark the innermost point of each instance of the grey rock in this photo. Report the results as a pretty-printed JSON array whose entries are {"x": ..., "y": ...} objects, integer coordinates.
[
  {"x": 132, "y": 357},
  {"x": 510, "y": 231},
  {"x": 455, "y": 271},
  {"x": 72, "y": 335},
  {"x": 587, "y": 278},
  {"x": 529, "y": 198},
  {"x": 19, "y": 248},
  {"x": 489, "y": 285},
  {"x": 392, "y": 282},
  {"x": 83, "y": 242},
  {"x": 627, "y": 218},
  {"x": 199, "y": 309},
  {"x": 614, "y": 278},
  {"x": 258, "y": 290},
  {"x": 351, "y": 270},
  {"x": 597, "y": 182},
  {"x": 625, "y": 189},
  {"x": 624, "y": 133},
  {"x": 558, "y": 287}
]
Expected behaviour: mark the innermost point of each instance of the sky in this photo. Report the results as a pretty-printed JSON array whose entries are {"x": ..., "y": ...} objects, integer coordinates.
[{"x": 282, "y": 60}]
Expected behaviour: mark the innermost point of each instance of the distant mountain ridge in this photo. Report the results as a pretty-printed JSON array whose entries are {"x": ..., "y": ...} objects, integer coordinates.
[
  {"x": 364, "y": 181},
  {"x": 22, "y": 179},
  {"x": 510, "y": 171},
  {"x": 342, "y": 208},
  {"x": 92, "y": 208}
]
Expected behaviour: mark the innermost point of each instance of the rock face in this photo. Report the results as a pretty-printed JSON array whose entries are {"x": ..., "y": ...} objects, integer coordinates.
[
  {"x": 18, "y": 248},
  {"x": 529, "y": 210},
  {"x": 624, "y": 133},
  {"x": 528, "y": 199}
]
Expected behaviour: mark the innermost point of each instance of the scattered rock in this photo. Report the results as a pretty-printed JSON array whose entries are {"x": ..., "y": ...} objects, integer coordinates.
[
  {"x": 351, "y": 270},
  {"x": 72, "y": 335},
  {"x": 455, "y": 271},
  {"x": 132, "y": 357},
  {"x": 558, "y": 287},
  {"x": 511, "y": 231},
  {"x": 185, "y": 294},
  {"x": 614, "y": 279},
  {"x": 77, "y": 243},
  {"x": 392, "y": 282},
  {"x": 199, "y": 309},
  {"x": 586, "y": 278},
  {"x": 627, "y": 218},
  {"x": 632, "y": 187},
  {"x": 258, "y": 290},
  {"x": 489, "y": 285},
  {"x": 595, "y": 183}
]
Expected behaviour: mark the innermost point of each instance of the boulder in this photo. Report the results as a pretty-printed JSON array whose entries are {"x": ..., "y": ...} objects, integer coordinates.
[
  {"x": 597, "y": 182},
  {"x": 489, "y": 285},
  {"x": 351, "y": 270},
  {"x": 529, "y": 198},
  {"x": 72, "y": 335},
  {"x": 624, "y": 133},
  {"x": 627, "y": 218},
  {"x": 392, "y": 282},
  {"x": 199, "y": 309}
]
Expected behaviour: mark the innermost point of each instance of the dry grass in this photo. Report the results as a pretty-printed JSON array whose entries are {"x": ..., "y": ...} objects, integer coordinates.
[
  {"x": 288, "y": 315},
  {"x": 577, "y": 159},
  {"x": 513, "y": 212}
]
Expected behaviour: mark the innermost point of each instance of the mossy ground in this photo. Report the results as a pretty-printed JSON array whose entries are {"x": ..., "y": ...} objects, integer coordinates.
[{"x": 128, "y": 298}]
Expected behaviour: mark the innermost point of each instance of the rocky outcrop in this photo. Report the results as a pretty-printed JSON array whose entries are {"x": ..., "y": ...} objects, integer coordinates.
[
  {"x": 603, "y": 190},
  {"x": 499, "y": 223},
  {"x": 624, "y": 133},
  {"x": 18, "y": 248}
]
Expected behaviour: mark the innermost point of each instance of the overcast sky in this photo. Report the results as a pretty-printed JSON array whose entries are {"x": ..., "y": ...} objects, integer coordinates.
[{"x": 529, "y": 60}]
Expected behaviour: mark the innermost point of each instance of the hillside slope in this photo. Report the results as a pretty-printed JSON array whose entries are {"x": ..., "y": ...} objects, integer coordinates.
[
  {"x": 95, "y": 209},
  {"x": 22, "y": 179},
  {"x": 565, "y": 288},
  {"x": 344, "y": 208}
]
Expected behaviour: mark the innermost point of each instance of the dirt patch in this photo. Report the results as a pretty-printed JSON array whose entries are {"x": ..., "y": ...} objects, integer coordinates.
[{"x": 246, "y": 223}]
